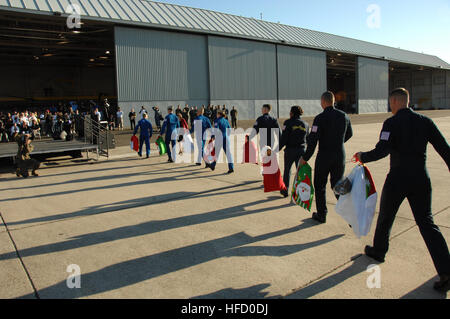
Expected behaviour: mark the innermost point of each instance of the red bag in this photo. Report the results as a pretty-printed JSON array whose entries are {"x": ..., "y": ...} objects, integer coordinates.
[
  {"x": 273, "y": 181},
  {"x": 250, "y": 152},
  {"x": 134, "y": 144}
]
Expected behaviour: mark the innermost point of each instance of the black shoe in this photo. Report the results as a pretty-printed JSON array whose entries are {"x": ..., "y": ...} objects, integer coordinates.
[
  {"x": 170, "y": 161},
  {"x": 443, "y": 285},
  {"x": 208, "y": 165},
  {"x": 198, "y": 164},
  {"x": 18, "y": 173},
  {"x": 213, "y": 168},
  {"x": 140, "y": 155},
  {"x": 370, "y": 252},
  {"x": 284, "y": 193},
  {"x": 319, "y": 218},
  {"x": 231, "y": 171}
]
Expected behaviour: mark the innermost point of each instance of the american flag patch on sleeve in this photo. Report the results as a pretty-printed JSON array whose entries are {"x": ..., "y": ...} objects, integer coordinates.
[
  {"x": 385, "y": 136},
  {"x": 314, "y": 129}
]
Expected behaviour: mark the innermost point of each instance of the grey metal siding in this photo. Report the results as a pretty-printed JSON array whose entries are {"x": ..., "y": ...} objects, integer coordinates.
[
  {"x": 160, "y": 66},
  {"x": 373, "y": 79},
  {"x": 422, "y": 90},
  {"x": 302, "y": 73},
  {"x": 241, "y": 70},
  {"x": 439, "y": 89}
]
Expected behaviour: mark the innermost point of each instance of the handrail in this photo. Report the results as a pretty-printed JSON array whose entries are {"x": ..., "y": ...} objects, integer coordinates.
[{"x": 97, "y": 134}]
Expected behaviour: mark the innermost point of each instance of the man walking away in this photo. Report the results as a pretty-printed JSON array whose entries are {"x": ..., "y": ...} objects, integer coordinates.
[
  {"x": 331, "y": 129},
  {"x": 170, "y": 124},
  {"x": 221, "y": 124},
  {"x": 146, "y": 134},
  {"x": 405, "y": 137},
  {"x": 295, "y": 132},
  {"x": 267, "y": 126},
  {"x": 201, "y": 141}
]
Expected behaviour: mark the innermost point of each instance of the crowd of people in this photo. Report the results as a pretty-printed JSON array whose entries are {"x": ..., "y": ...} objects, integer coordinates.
[
  {"x": 188, "y": 114},
  {"x": 38, "y": 124}
]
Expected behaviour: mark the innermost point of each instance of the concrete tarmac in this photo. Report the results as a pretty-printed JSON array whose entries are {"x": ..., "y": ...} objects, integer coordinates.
[{"x": 139, "y": 228}]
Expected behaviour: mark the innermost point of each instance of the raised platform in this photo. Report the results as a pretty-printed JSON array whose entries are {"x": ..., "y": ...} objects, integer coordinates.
[{"x": 47, "y": 147}]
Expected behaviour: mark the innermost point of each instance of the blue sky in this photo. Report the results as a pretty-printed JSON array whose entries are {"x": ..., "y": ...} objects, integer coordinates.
[{"x": 417, "y": 25}]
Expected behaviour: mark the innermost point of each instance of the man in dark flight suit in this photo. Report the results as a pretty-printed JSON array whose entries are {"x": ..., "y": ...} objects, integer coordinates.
[
  {"x": 331, "y": 129},
  {"x": 405, "y": 137},
  {"x": 267, "y": 126}
]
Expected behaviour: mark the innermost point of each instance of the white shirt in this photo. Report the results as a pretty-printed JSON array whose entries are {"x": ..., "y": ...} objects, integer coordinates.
[
  {"x": 119, "y": 114},
  {"x": 99, "y": 116},
  {"x": 142, "y": 112}
]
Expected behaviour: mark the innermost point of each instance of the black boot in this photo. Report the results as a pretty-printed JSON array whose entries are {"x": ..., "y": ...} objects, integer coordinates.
[
  {"x": 370, "y": 252},
  {"x": 443, "y": 285},
  {"x": 320, "y": 218}
]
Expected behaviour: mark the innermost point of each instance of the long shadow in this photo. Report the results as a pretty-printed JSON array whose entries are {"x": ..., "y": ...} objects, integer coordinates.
[
  {"x": 146, "y": 228},
  {"x": 425, "y": 291},
  {"x": 254, "y": 292},
  {"x": 142, "y": 166},
  {"x": 138, "y": 202},
  {"x": 106, "y": 178},
  {"x": 134, "y": 271},
  {"x": 187, "y": 176},
  {"x": 359, "y": 265}
]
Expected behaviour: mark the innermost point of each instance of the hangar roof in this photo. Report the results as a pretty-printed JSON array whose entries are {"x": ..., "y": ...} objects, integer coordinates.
[{"x": 168, "y": 16}]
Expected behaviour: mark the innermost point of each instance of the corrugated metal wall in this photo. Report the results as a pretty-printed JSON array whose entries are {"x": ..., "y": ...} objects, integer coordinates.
[
  {"x": 439, "y": 89},
  {"x": 161, "y": 66},
  {"x": 241, "y": 70},
  {"x": 242, "y": 73},
  {"x": 422, "y": 91},
  {"x": 302, "y": 76},
  {"x": 373, "y": 85}
]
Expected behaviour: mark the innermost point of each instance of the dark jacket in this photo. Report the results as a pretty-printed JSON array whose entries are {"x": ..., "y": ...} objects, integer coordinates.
[
  {"x": 331, "y": 129},
  {"x": 268, "y": 127},
  {"x": 405, "y": 137},
  {"x": 295, "y": 132}
]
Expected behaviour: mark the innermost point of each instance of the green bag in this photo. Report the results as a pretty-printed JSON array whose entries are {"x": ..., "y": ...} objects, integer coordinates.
[
  {"x": 303, "y": 190},
  {"x": 161, "y": 146}
]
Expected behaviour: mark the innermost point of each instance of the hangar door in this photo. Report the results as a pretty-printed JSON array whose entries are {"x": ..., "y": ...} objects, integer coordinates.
[
  {"x": 373, "y": 85},
  {"x": 158, "y": 68}
]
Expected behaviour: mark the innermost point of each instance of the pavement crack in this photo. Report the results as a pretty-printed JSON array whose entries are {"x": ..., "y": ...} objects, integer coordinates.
[
  {"x": 415, "y": 225},
  {"x": 353, "y": 259},
  {"x": 36, "y": 294}
]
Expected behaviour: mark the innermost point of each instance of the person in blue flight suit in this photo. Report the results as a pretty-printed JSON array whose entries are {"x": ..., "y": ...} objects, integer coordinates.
[
  {"x": 201, "y": 139},
  {"x": 171, "y": 124},
  {"x": 222, "y": 124},
  {"x": 146, "y": 134}
]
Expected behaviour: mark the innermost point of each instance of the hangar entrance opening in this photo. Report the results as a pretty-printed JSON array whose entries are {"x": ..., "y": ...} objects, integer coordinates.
[
  {"x": 46, "y": 65},
  {"x": 426, "y": 86},
  {"x": 341, "y": 80}
]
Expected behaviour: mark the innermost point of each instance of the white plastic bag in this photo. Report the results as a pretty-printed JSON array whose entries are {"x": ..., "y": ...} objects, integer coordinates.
[
  {"x": 188, "y": 144},
  {"x": 358, "y": 207}
]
